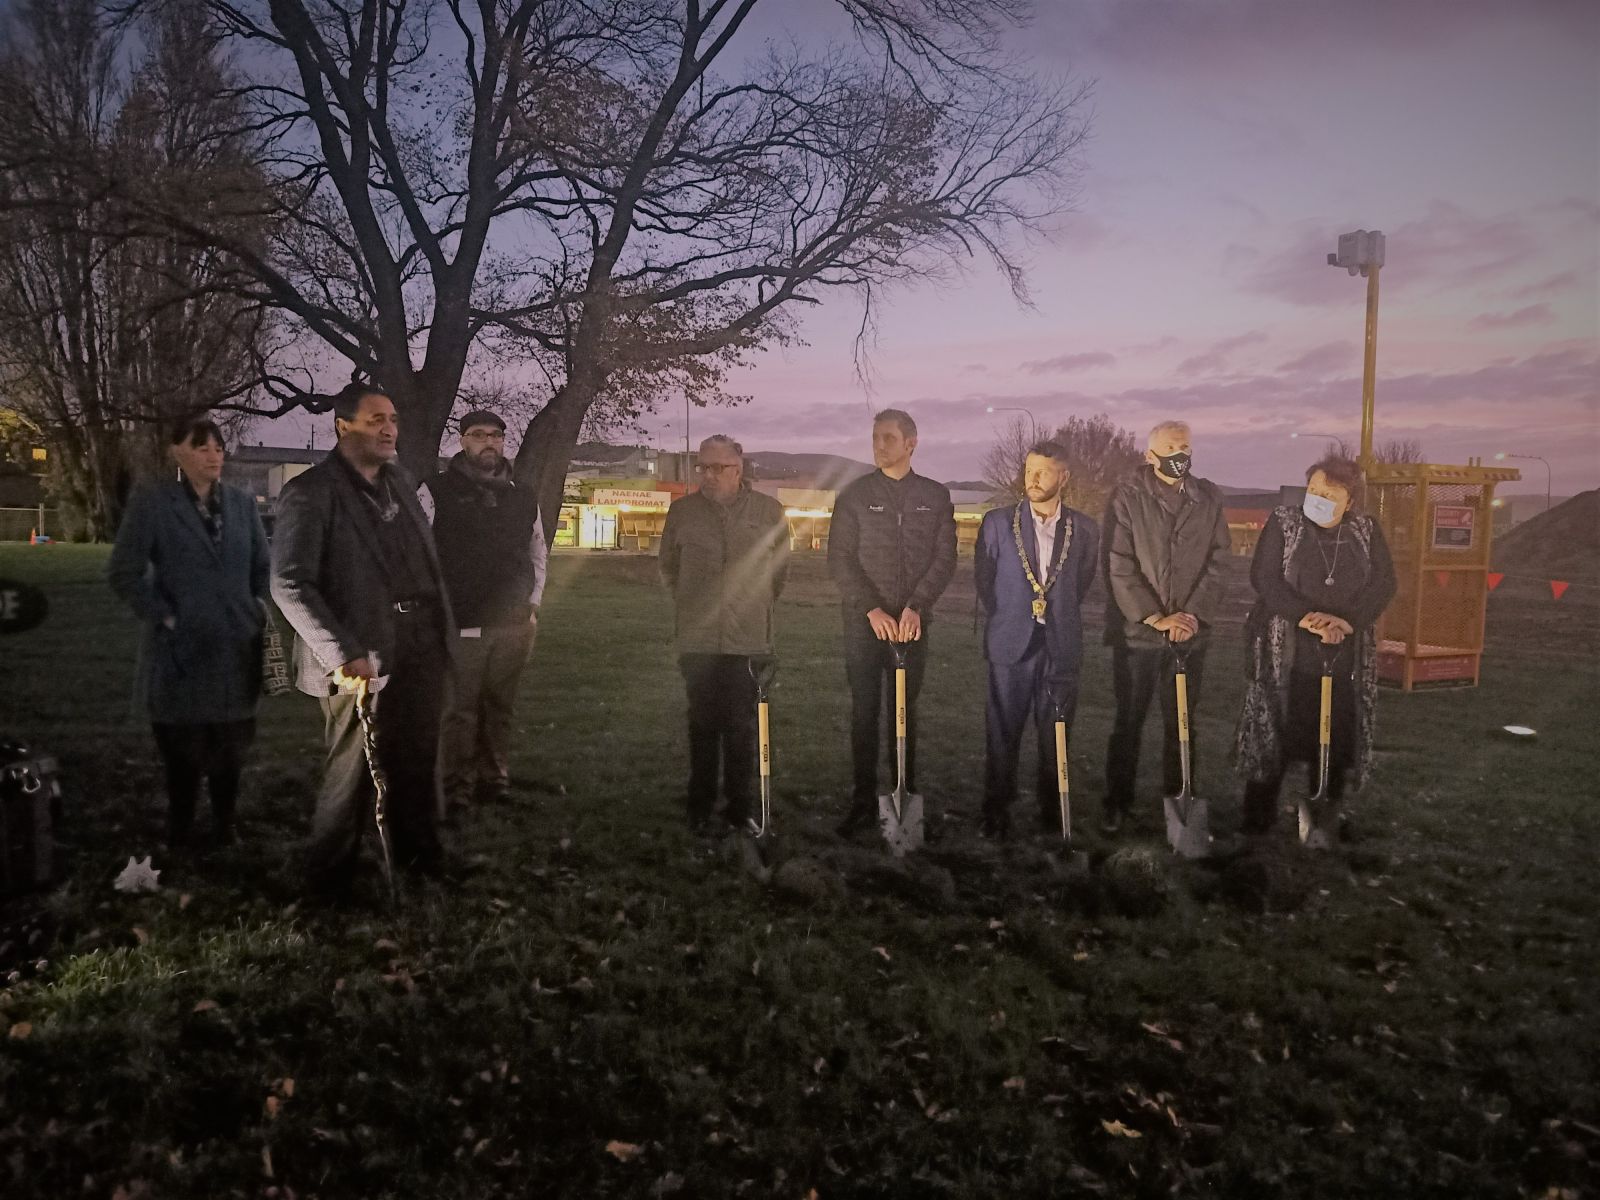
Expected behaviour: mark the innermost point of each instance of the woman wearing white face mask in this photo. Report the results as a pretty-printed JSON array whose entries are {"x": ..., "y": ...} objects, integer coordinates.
[{"x": 1322, "y": 576}]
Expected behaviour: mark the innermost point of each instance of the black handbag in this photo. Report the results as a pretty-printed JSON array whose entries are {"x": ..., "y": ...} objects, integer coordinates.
[{"x": 30, "y": 809}]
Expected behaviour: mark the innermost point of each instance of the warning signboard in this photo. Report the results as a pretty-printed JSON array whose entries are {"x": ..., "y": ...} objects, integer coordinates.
[{"x": 1453, "y": 526}]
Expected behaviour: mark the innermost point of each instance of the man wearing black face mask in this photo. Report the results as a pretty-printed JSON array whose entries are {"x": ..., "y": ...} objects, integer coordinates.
[{"x": 1165, "y": 545}]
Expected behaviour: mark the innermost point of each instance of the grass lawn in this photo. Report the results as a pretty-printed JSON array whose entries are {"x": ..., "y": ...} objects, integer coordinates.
[{"x": 611, "y": 1008}]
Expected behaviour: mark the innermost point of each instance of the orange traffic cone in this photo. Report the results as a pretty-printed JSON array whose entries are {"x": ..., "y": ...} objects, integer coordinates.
[{"x": 33, "y": 537}]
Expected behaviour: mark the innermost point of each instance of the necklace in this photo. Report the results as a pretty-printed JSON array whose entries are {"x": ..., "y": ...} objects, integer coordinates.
[
  {"x": 1039, "y": 589},
  {"x": 1338, "y": 540}
]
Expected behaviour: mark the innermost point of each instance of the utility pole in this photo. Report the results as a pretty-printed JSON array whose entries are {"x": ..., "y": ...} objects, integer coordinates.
[{"x": 1362, "y": 253}]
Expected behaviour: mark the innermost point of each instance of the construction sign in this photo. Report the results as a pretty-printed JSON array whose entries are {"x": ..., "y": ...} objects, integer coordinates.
[{"x": 1452, "y": 526}]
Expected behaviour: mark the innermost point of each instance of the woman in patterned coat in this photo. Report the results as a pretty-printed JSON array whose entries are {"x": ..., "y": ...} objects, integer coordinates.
[{"x": 1323, "y": 577}]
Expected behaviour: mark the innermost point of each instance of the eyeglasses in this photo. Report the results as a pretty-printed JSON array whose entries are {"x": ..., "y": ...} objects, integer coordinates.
[{"x": 715, "y": 468}]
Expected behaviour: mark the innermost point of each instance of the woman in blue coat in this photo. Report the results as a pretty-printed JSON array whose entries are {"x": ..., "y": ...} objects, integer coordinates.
[{"x": 191, "y": 561}]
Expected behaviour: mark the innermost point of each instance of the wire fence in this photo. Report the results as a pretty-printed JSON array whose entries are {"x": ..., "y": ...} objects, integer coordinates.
[{"x": 17, "y": 524}]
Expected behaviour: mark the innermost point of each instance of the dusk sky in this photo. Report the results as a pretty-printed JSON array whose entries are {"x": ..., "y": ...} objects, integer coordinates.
[{"x": 1233, "y": 141}]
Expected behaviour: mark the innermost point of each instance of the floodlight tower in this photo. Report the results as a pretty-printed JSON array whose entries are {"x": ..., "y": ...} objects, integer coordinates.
[{"x": 1361, "y": 253}]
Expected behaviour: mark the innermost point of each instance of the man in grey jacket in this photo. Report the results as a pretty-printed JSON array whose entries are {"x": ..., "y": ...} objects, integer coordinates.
[
  {"x": 1166, "y": 545},
  {"x": 355, "y": 573},
  {"x": 724, "y": 554}
]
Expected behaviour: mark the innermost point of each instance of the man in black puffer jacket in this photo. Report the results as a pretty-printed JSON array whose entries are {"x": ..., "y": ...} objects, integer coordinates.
[
  {"x": 492, "y": 549},
  {"x": 892, "y": 551}
]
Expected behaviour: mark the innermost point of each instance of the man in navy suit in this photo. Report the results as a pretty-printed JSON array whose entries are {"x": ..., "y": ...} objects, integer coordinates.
[{"x": 1035, "y": 562}]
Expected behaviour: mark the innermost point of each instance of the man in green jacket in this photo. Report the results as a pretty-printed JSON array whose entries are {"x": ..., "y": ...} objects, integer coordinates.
[{"x": 724, "y": 554}]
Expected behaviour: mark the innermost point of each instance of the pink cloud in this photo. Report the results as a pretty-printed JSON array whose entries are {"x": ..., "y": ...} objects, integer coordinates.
[
  {"x": 1162, "y": 32},
  {"x": 1533, "y": 314},
  {"x": 1544, "y": 287},
  {"x": 1216, "y": 358},
  {"x": 1070, "y": 362},
  {"x": 1445, "y": 247},
  {"x": 1320, "y": 360}
]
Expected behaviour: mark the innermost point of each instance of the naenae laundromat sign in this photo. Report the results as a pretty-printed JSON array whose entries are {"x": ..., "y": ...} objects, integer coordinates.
[
  {"x": 22, "y": 606},
  {"x": 1452, "y": 526},
  {"x": 634, "y": 498}
]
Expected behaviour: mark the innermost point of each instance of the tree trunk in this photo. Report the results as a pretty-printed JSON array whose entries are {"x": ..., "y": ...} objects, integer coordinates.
[{"x": 547, "y": 447}]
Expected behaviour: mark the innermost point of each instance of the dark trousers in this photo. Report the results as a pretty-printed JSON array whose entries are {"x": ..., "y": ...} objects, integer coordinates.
[
  {"x": 722, "y": 732},
  {"x": 476, "y": 740},
  {"x": 1137, "y": 674},
  {"x": 213, "y": 751},
  {"x": 406, "y": 717},
  {"x": 869, "y": 666},
  {"x": 1017, "y": 691}
]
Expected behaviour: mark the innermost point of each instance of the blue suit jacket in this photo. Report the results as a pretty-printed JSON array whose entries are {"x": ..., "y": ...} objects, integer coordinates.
[{"x": 1006, "y": 596}]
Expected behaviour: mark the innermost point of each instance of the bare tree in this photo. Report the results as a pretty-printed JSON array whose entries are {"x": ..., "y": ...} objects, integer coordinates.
[
  {"x": 575, "y": 188},
  {"x": 1399, "y": 450},
  {"x": 108, "y": 331},
  {"x": 1099, "y": 453}
]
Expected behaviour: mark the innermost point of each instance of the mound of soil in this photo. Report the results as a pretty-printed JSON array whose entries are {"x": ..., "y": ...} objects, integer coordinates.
[{"x": 1563, "y": 543}]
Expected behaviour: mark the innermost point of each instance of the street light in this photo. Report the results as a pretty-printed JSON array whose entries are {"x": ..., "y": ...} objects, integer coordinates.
[
  {"x": 1332, "y": 437},
  {"x": 1361, "y": 253},
  {"x": 1033, "y": 425},
  {"x": 1502, "y": 456}
]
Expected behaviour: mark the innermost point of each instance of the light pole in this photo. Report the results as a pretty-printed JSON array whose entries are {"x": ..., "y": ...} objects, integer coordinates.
[
  {"x": 1361, "y": 253},
  {"x": 1310, "y": 433},
  {"x": 1502, "y": 456},
  {"x": 1033, "y": 426}
]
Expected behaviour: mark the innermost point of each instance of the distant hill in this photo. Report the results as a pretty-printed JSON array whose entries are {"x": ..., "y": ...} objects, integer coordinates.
[
  {"x": 824, "y": 471},
  {"x": 1563, "y": 543}
]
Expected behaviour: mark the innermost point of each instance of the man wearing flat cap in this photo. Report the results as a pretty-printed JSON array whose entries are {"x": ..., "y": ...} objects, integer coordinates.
[{"x": 492, "y": 550}]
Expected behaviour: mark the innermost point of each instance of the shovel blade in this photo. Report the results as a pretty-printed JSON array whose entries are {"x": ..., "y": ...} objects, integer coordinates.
[
  {"x": 900, "y": 821},
  {"x": 1313, "y": 831},
  {"x": 1188, "y": 825}
]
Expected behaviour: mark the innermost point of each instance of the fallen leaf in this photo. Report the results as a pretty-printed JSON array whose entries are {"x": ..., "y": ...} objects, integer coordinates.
[
  {"x": 21, "y": 1031},
  {"x": 183, "y": 901},
  {"x": 201, "y": 1006},
  {"x": 624, "y": 1151},
  {"x": 141, "y": 935},
  {"x": 272, "y": 1108},
  {"x": 1118, "y": 1129},
  {"x": 266, "y": 1161},
  {"x": 881, "y": 952},
  {"x": 1015, "y": 1084},
  {"x": 386, "y": 944},
  {"x": 671, "y": 1184},
  {"x": 286, "y": 1087},
  {"x": 1159, "y": 1032}
]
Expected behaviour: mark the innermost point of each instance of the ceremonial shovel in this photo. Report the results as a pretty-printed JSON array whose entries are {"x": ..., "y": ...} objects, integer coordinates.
[
  {"x": 900, "y": 812},
  {"x": 366, "y": 709},
  {"x": 1073, "y": 859},
  {"x": 1314, "y": 810},
  {"x": 762, "y": 670},
  {"x": 1061, "y": 770},
  {"x": 1188, "y": 816}
]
